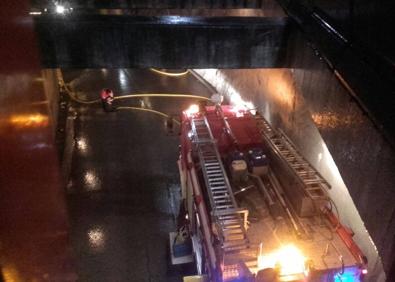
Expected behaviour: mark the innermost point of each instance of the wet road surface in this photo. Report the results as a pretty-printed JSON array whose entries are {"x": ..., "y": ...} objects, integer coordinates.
[{"x": 124, "y": 184}]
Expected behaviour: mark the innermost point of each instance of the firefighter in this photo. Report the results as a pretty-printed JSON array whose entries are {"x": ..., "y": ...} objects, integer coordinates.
[{"x": 107, "y": 98}]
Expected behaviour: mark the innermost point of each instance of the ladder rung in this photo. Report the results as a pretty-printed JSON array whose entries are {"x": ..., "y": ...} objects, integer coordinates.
[
  {"x": 232, "y": 212},
  {"x": 313, "y": 189},
  {"x": 234, "y": 237},
  {"x": 232, "y": 231},
  {"x": 224, "y": 196},
  {"x": 220, "y": 193},
  {"x": 222, "y": 202},
  {"x": 230, "y": 219},
  {"x": 311, "y": 181},
  {"x": 234, "y": 225},
  {"x": 303, "y": 173},
  {"x": 218, "y": 179},
  {"x": 236, "y": 248},
  {"x": 231, "y": 226},
  {"x": 237, "y": 223},
  {"x": 207, "y": 158},
  {"x": 214, "y": 174},
  {"x": 214, "y": 170},
  {"x": 225, "y": 207},
  {"x": 218, "y": 188},
  {"x": 235, "y": 243},
  {"x": 209, "y": 164},
  {"x": 217, "y": 184}
]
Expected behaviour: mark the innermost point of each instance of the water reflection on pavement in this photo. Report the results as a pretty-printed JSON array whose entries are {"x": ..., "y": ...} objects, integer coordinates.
[{"x": 123, "y": 187}]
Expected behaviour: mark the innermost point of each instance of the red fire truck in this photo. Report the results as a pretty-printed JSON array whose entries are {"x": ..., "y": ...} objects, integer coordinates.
[{"x": 253, "y": 208}]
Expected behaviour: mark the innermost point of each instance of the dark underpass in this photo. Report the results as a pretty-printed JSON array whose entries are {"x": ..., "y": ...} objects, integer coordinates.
[{"x": 92, "y": 196}]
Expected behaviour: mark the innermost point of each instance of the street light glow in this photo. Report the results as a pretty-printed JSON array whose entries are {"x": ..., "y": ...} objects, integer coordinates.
[{"x": 60, "y": 9}]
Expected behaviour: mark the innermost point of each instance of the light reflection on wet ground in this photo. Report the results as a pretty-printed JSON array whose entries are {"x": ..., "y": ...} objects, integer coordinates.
[
  {"x": 91, "y": 181},
  {"x": 82, "y": 145},
  {"x": 96, "y": 239},
  {"x": 124, "y": 181}
]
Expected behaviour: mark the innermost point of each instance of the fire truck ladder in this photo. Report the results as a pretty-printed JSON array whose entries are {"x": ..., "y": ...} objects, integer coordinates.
[
  {"x": 315, "y": 185},
  {"x": 229, "y": 219}
]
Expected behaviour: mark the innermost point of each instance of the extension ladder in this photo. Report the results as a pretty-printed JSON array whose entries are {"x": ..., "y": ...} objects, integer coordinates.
[
  {"x": 230, "y": 219},
  {"x": 314, "y": 184}
]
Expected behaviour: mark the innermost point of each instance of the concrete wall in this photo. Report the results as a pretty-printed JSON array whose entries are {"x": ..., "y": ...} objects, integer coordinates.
[
  {"x": 332, "y": 132},
  {"x": 79, "y": 41},
  {"x": 364, "y": 157}
]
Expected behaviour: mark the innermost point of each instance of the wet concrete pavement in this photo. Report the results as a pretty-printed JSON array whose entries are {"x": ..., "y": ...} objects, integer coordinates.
[{"x": 123, "y": 186}]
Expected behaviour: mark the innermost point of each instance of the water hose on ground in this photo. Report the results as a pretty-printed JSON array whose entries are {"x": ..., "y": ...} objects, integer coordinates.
[
  {"x": 130, "y": 96},
  {"x": 163, "y": 95},
  {"x": 72, "y": 96},
  {"x": 172, "y": 74}
]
